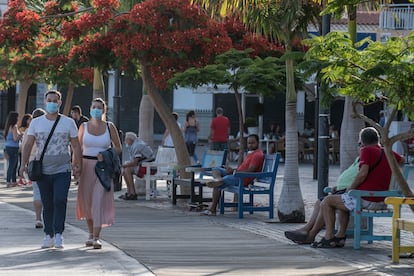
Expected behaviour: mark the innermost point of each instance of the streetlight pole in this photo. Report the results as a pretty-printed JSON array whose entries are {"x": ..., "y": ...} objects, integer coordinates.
[
  {"x": 323, "y": 127},
  {"x": 117, "y": 99}
]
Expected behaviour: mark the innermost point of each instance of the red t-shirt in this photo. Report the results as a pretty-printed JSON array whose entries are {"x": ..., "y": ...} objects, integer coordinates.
[
  {"x": 221, "y": 126},
  {"x": 256, "y": 159},
  {"x": 379, "y": 178}
]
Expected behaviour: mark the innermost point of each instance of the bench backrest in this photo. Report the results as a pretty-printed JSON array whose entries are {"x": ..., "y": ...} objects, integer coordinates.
[
  {"x": 270, "y": 164},
  {"x": 166, "y": 155},
  {"x": 214, "y": 158}
]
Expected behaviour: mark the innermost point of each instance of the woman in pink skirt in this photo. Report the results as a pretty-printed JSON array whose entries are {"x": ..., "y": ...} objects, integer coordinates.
[{"x": 94, "y": 203}]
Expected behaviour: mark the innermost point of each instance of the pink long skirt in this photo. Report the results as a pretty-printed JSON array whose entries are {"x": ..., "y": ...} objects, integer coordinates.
[{"x": 93, "y": 201}]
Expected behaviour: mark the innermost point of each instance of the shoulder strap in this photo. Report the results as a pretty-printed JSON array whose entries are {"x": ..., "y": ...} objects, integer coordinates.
[
  {"x": 376, "y": 164},
  {"x": 50, "y": 136},
  {"x": 110, "y": 136}
]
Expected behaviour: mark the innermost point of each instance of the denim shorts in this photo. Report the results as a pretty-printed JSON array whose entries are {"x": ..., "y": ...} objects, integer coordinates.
[{"x": 350, "y": 203}]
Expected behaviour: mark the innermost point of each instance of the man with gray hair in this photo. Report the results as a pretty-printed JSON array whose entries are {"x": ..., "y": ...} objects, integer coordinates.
[
  {"x": 374, "y": 174},
  {"x": 139, "y": 152}
]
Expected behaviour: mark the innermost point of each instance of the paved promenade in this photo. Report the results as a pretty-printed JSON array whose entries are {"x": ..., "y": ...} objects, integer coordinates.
[{"x": 154, "y": 237}]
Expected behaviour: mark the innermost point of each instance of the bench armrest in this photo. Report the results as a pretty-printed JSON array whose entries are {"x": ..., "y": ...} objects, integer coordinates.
[
  {"x": 198, "y": 168},
  {"x": 361, "y": 193},
  {"x": 399, "y": 200},
  {"x": 156, "y": 165},
  {"x": 327, "y": 190},
  {"x": 253, "y": 174}
]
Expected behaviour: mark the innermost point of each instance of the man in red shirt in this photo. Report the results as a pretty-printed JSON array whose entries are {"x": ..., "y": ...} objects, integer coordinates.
[
  {"x": 223, "y": 177},
  {"x": 374, "y": 175},
  {"x": 219, "y": 130}
]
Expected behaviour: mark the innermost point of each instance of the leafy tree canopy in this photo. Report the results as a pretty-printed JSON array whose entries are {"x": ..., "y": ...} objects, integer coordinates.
[{"x": 382, "y": 71}]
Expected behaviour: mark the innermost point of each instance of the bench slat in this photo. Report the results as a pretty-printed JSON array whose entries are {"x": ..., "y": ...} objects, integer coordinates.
[{"x": 405, "y": 224}]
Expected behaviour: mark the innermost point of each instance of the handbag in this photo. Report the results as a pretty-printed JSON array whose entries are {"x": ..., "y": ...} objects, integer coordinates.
[{"x": 34, "y": 169}]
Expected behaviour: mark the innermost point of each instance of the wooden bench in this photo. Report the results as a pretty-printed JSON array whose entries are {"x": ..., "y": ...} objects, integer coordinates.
[
  {"x": 399, "y": 224},
  {"x": 263, "y": 184},
  {"x": 210, "y": 160},
  {"x": 365, "y": 231}
]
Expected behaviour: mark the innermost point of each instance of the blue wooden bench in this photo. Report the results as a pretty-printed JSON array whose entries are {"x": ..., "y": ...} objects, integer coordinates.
[
  {"x": 263, "y": 184},
  {"x": 210, "y": 160},
  {"x": 367, "y": 233}
]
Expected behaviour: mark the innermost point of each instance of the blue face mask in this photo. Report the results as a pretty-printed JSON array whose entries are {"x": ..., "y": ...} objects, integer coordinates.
[
  {"x": 96, "y": 113},
  {"x": 52, "y": 107}
]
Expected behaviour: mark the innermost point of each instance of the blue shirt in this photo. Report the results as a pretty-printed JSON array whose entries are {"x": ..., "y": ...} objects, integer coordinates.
[{"x": 10, "y": 141}]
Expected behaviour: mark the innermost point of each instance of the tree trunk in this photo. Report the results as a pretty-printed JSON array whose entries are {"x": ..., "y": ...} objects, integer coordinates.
[
  {"x": 350, "y": 128},
  {"x": 69, "y": 97},
  {"x": 24, "y": 86},
  {"x": 98, "y": 84},
  {"x": 290, "y": 205},
  {"x": 160, "y": 106},
  {"x": 146, "y": 119}
]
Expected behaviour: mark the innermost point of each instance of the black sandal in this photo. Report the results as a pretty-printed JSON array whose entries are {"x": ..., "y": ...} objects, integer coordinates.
[
  {"x": 324, "y": 243},
  {"x": 340, "y": 242},
  {"x": 296, "y": 237}
]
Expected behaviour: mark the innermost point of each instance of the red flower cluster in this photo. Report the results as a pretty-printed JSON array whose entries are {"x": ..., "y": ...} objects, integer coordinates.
[
  {"x": 243, "y": 39},
  {"x": 170, "y": 35},
  {"x": 85, "y": 74},
  {"x": 105, "y": 3},
  {"x": 55, "y": 7},
  {"x": 19, "y": 25},
  {"x": 87, "y": 22}
]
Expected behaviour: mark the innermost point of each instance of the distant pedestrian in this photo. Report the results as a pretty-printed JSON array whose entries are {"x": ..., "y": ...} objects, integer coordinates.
[
  {"x": 12, "y": 137},
  {"x": 190, "y": 128},
  {"x": 219, "y": 130},
  {"x": 24, "y": 125},
  {"x": 56, "y": 170},
  {"x": 37, "y": 201},
  {"x": 94, "y": 203},
  {"x": 167, "y": 139},
  {"x": 77, "y": 116}
]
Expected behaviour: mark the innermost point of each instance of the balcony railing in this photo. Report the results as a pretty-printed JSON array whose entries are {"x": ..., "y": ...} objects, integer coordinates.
[{"x": 397, "y": 17}]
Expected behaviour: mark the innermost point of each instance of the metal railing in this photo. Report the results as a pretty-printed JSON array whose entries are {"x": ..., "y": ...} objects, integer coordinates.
[{"x": 397, "y": 17}]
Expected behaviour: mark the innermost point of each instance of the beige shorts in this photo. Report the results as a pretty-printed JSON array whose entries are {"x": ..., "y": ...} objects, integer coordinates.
[{"x": 350, "y": 203}]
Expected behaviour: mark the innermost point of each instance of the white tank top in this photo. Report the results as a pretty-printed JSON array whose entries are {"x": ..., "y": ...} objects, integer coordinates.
[{"x": 93, "y": 144}]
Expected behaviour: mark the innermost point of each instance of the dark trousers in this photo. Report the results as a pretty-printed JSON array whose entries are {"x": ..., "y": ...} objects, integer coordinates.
[
  {"x": 13, "y": 160},
  {"x": 54, "y": 190}
]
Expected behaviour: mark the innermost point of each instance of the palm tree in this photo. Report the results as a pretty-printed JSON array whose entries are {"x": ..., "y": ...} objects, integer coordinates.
[{"x": 285, "y": 21}]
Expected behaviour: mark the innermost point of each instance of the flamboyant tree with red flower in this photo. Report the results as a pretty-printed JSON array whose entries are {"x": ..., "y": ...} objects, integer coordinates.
[
  {"x": 33, "y": 50},
  {"x": 165, "y": 37}
]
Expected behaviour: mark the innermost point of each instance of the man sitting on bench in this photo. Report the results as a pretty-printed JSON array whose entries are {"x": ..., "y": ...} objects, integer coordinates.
[
  {"x": 224, "y": 176},
  {"x": 374, "y": 175},
  {"x": 139, "y": 151}
]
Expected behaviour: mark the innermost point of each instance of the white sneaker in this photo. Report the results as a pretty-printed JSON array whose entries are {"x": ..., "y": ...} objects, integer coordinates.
[
  {"x": 58, "y": 241},
  {"x": 97, "y": 244},
  {"x": 48, "y": 242}
]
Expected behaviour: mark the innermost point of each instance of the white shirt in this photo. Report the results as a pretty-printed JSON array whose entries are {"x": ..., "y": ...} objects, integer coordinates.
[{"x": 57, "y": 156}]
